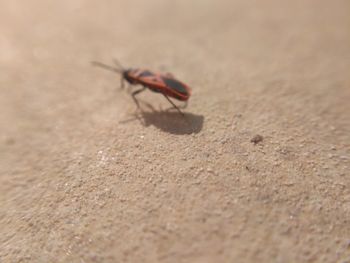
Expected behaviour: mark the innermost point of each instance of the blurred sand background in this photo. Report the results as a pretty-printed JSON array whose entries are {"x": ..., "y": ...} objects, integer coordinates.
[{"x": 84, "y": 177}]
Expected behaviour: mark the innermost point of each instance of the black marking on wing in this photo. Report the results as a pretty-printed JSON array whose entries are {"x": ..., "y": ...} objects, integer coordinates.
[
  {"x": 145, "y": 73},
  {"x": 175, "y": 85}
]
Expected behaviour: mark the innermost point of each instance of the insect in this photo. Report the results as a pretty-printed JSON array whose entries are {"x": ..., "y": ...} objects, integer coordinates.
[{"x": 166, "y": 84}]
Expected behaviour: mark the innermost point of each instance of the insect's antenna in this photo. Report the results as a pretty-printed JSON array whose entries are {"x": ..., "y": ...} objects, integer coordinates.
[
  {"x": 101, "y": 65},
  {"x": 118, "y": 64}
]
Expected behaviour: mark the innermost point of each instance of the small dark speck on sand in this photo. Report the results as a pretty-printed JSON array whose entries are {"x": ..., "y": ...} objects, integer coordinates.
[{"x": 257, "y": 138}]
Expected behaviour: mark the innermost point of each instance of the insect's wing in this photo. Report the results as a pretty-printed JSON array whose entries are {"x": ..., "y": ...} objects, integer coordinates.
[
  {"x": 164, "y": 83},
  {"x": 151, "y": 79},
  {"x": 176, "y": 85}
]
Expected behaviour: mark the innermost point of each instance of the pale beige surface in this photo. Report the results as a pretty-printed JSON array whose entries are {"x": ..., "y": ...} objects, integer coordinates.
[{"x": 83, "y": 180}]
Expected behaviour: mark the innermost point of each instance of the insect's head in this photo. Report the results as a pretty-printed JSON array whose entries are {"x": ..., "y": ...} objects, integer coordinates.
[
  {"x": 126, "y": 72},
  {"x": 126, "y": 75}
]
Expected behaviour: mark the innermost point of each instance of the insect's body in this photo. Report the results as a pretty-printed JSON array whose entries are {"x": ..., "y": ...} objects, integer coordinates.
[
  {"x": 161, "y": 83},
  {"x": 165, "y": 84}
]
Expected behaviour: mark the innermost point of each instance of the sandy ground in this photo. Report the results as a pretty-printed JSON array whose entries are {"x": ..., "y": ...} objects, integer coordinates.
[{"x": 85, "y": 177}]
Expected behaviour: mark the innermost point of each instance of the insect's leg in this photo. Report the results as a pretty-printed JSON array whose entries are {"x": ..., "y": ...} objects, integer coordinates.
[
  {"x": 122, "y": 82},
  {"x": 172, "y": 103},
  {"x": 134, "y": 96}
]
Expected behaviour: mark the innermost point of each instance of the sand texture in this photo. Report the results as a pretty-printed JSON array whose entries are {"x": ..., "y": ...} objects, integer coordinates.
[{"x": 86, "y": 177}]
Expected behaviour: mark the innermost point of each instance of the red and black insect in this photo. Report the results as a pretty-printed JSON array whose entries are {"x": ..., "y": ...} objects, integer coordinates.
[{"x": 166, "y": 84}]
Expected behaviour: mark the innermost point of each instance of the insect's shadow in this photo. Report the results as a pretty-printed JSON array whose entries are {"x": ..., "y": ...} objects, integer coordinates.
[{"x": 170, "y": 121}]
